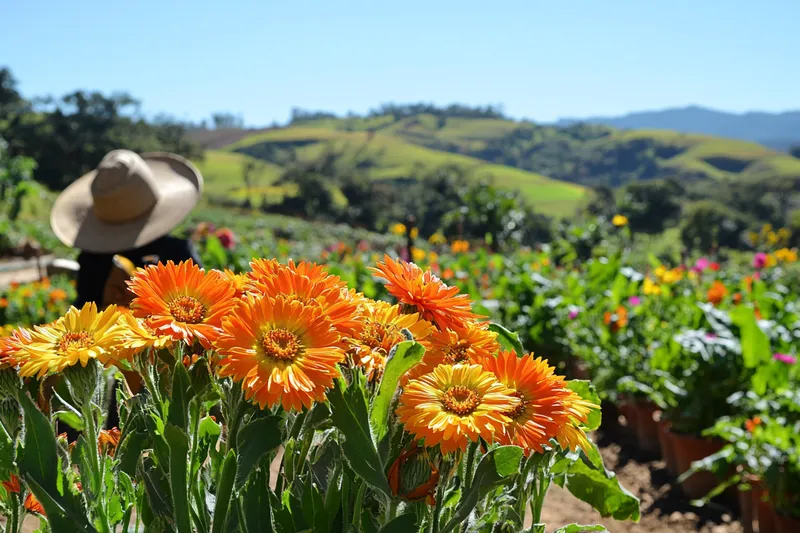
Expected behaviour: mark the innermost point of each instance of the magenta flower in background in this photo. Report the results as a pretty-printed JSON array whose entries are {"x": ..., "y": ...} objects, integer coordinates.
[
  {"x": 701, "y": 264},
  {"x": 785, "y": 358},
  {"x": 710, "y": 335},
  {"x": 573, "y": 314},
  {"x": 634, "y": 300},
  {"x": 760, "y": 260}
]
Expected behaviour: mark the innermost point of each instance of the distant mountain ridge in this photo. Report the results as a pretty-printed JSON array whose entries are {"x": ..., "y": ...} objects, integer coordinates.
[{"x": 776, "y": 130}]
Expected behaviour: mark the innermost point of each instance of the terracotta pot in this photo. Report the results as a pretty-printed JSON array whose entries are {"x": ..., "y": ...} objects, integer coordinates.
[
  {"x": 628, "y": 411},
  {"x": 667, "y": 450},
  {"x": 763, "y": 511},
  {"x": 786, "y": 524},
  {"x": 647, "y": 427},
  {"x": 687, "y": 449}
]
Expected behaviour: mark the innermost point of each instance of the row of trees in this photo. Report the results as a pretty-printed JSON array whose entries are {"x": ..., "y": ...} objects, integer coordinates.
[{"x": 68, "y": 136}]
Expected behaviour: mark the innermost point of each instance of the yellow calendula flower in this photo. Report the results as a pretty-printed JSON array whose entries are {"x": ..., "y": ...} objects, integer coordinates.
[
  {"x": 650, "y": 288},
  {"x": 433, "y": 257},
  {"x": 546, "y": 262},
  {"x": 78, "y": 336},
  {"x": 418, "y": 255},
  {"x": 771, "y": 261},
  {"x": 398, "y": 229},
  {"x": 437, "y": 238},
  {"x": 414, "y": 233},
  {"x": 785, "y": 255},
  {"x": 619, "y": 220}
]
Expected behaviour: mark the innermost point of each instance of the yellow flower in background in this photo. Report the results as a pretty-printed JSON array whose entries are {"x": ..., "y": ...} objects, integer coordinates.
[
  {"x": 398, "y": 229},
  {"x": 437, "y": 238},
  {"x": 619, "y": 220},
  {"x": 546, "y": 262},
  {"x": 753, "y": 237},
  {"x": 651, "y": 288},
  {"x": 459, "y": 246},
  {"x": 692, "y": 275},
  {"x": 772, "y": 238},
  {"x": 784, "y": 234},
  {"x": 414, "y": 233},
  {"x": 771, "y": 261},
  {"x": 785, "y": 255},
  {"x": 433, "y": 257},
  {"x": 78, "y": 336},
  {"x": 660, "y": 272},
  {"x": 672, "y": 276},
  {"x": 418, "y": 255}
]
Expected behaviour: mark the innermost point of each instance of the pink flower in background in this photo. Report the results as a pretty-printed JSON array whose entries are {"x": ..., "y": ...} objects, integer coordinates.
[
  {"x": 785, "y": 358},
  {"x": 573, "y": 314},
  {"x": 710, "y": 335},
  {"x": 634, "y": 300},
  {"x": 757, "y": 275},
  {"x": 226, "y": 238},
  {"x": 760, "y": 260},
  {"x": 701, "y": 265}
]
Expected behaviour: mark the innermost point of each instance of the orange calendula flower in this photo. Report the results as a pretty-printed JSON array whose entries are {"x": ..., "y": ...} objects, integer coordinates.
[
  {"x": 716, "y": 292},
  {"x": 58, "y": 295},
  {"x": 182, "y": 300},
  {"x": 455, "y": 404},
  {"x": 616, "y": 320},
  {"x": 283, "y": 352},
  {"x": 32, "y": 504},
  {"x": 437, "y": 302},
  {"x": 10, "y": 345},
  {"x": 12, "y": 485},
  {"x": 748, "y": 283},
  {"x": 3, "y": 303},
  {"x": 107, "y": 441},
  {"x": 548, "y": 408},
  {"x": 310, "y": 284},
  {"x": 383, "y": 326},
  {"x": 468, "y": 344},
  {"x": 737, "y": 298},
  {"x": 239, "y": 281},
  {"x": 413, "y": 476},
  {"x": 78, "y": 336},
  {"x": 752, "y": 424}
]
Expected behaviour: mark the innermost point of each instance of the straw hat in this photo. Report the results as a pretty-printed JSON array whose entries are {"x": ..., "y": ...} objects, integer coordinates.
[{"x": 127, "y": 202}]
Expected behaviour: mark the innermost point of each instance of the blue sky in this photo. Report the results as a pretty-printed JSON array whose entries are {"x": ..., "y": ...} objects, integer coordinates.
[{"x": 539, "y": 59}]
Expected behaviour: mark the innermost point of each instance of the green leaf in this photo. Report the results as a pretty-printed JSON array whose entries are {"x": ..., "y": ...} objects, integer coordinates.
[
  {"x": 256, "y": 439},
  {"x": 618, "y": 289},
  {"x": 39, "y": 447},
  {"x": 130, "y": 449},
  {"x": 404, "y": 523},
  {"x": 495, "y": 469},
  {"x": 577, "y": 528},
  {"x": 224, "y": 492},
  {"x": 402, "y": 357},
  {"x": 508, "y": 339},
  {"x": 601, "y": 489},
  {"x": 59, "y": 519},
  {"x": 755, "y": 343},
  {"x": 256, "y": 503},
  {"x": 586, "y": 390},
  {"x": 182, "y": 393},
  {"x": 71, "y": 418},
  {"x": 156, "y": 487},
  {"x": 314, "y": 511},
  {"x": 178, "y": 443},
  {"x": 351, "y": 417}
]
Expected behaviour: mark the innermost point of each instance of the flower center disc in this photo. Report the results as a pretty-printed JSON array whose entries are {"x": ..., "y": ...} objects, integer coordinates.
[
  {"x": 457, "y": 353},
  {"x": 373, "y": 334},
  {"x": 187, "y": 310},
  {"x": 460, "y": 400},
  {"x": 281, "y": 344},
  {"x": 75, "y": 339},
  {"x": 516, "y": 412}
]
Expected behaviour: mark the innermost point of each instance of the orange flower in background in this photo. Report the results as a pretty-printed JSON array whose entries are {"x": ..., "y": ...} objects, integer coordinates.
[
  {"x": 752, "y": 424},
  {"x": 455, "y": 404},
  {"x": 616, "y": 320},
  {"x": 10, "y": 345},
  {"x": 182, "y": 300},
  {"x": 58, "y": 295},
  {"x": 237, "y": 280},
  {"x": 382, "y": 330},
  {"x": 33, "y": 505},
  {"x": 309, "y": 284},
  {"x": 549, "y": 409},
  {"x": 748, "y": 283},
  {"x": 3, "y": 303},
  {"x": 437, "y": 302},
  {"x": 737, "y": 298},
  {"x": 716, "y": 292},
  {"x": 459, "y": 246},
  {"x": 107, "y": 441},
  {"x": 283, "y": 352}
]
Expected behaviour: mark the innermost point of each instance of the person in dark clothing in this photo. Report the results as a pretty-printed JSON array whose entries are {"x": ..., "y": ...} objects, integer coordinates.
[{"x": 119, "y": 216}]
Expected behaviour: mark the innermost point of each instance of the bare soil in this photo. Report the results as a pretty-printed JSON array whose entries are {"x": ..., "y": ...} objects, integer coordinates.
[{"x": 664, "y": 507}]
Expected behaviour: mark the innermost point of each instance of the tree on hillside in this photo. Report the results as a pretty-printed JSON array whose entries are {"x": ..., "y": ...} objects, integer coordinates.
[
  {"x": 227, "y": 120},
  {"x": 708, "y": 225},
  {"x": 795, "y": 151},
  {"x": 651, "y": 205}
]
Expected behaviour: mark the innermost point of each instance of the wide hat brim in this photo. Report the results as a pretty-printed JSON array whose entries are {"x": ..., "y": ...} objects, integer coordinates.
[{"x": 180, "y": 186}]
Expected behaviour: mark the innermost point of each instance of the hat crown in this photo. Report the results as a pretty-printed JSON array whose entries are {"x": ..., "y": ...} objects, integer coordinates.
[{"x": 124, "y": 187}]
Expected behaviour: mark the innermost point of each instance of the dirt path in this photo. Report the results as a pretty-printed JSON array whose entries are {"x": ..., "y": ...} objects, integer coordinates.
[{"x": 664, "y": 508}]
